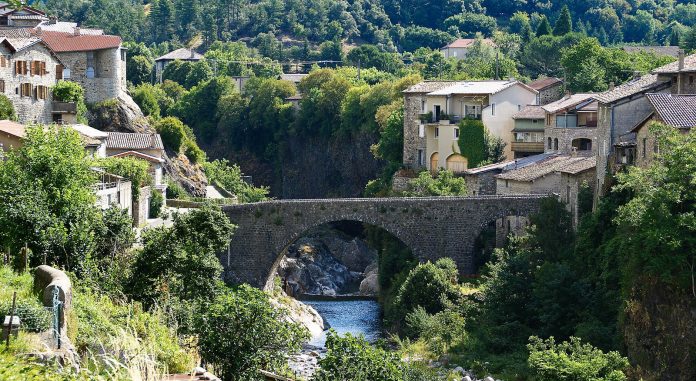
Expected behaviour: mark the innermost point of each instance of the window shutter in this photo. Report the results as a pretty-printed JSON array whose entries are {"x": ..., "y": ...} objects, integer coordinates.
[
  {"x": 59, "y": 71},
  {"x": 17, "y": 68},
  {"x": 43, "y": 68}
]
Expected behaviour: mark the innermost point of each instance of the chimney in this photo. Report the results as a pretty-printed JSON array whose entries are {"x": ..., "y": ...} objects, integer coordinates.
[
  {"x": 681, "y": 59},
  {"x": 76, "y": 31},
  {"x": 567, "y": 93},
  {"x": 192, "y": 53},
  {"x": 636, "y": 74},
  {"x": 52, "y": 20},
  {"x": 612, "y": 86},
  {"x": 37, "y": 30}
]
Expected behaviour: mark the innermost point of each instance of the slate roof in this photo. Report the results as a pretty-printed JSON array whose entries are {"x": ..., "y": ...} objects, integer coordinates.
[
  {"x": 671, "y": 68},
  {"x": 133, "y": 141},
  {"x": 180, "y": 54},
  {"x": 61, "y": 42},
  {"x": 510, "y": 164},
  {"x": 66, "y": 27},
  {"x": 544, "y": 83},
  {"x": 428, "y": 87},
  {"x": 466, "y": 43},
  {"x": 562, "y": 164},
  {"x": 659, "y": 50},
  {"x": 567, "y": 102},
  {"x": 675, "y": 110},
  {"x": 635, "y": 86},
  {"x": 530, "y": 112},
  {"x": 295, "y": 78}
]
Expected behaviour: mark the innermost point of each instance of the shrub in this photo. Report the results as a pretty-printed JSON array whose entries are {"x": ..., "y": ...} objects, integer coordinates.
[
  {"x": 194, "y": 153},
  {"x": 144, "y": 96},
  {"x": 573, "y": 360},
  {"x": 241, "y": 332},
  {"x": 445, "y": 184},
  {"x": 351, "y": 358},
  {"x": 176, "y": 191},
  {"x": 68, "y": 91},
  {"x": 230, "y": 178},
  {"x": 156, "y": 203},
  {"x": 7, "y": 110},
  {"x": 137, "y": 171},
  {"x": 172, "y": 131}
]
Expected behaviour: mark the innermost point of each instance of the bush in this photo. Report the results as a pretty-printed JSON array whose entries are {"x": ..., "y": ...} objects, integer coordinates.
[
  {"x": 7, "y": 110},
  {"x": 175, "y": 191},
  {"x": 194, "y": 153},
  {"x": 68, "y": 91},
  {"x": 156, "y": 203},
  {"x": 572, "y": 360},
  {"x": 172, "y": 131},
  {"x": 240, "y": 332},
  {"x": 351, "y": 358},
  {"x": 144, "y": 96},
  {"x": 230, "y": 178},
  {"x": 444, "y": 185},
  {"x": 137, "y": 171}
]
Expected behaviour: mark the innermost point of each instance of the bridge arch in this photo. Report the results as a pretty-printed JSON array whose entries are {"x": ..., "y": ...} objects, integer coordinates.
[{"x": 432, "y": 227}]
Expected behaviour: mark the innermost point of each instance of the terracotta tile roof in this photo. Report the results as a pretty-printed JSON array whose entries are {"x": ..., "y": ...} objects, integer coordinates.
[
  {"x": 530, "y": 112},
  {"x": 181, "y": 54},
  {"x": 659, "y": 50},
  {"x": 466, "y": 43},
  {"x": 567, "y": 102},
  {"x": 428, "y": 87},
  {"x": 61, "y": 42},
  {"x": 562, "y": 164},
  {"x": 675, "y": 110},
  {"x": 689, "y": 65},
  {"x": 635, "y": 86},
  {"x": 12, "y": 128},
  {"x": 544, "y": 83},
  {"x": 133, "y": 141}
]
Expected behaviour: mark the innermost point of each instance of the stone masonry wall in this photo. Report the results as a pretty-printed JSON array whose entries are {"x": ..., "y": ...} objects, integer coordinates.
[
  {"x": 412, "y": 141},
  {"x": 551, "y": 94},
  {"x": 28, "y": 108},
  {"x": 107, "y": 82},
  {"x": 566, "y": 136},
  {"x": 433, "y": 227}
]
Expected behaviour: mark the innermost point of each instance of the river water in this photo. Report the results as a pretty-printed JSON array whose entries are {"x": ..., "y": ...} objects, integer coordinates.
[{"x": 357, "y": 317}]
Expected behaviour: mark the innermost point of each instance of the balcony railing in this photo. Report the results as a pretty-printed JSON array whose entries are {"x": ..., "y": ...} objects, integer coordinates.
[
  {"x": 527, "y": 146},
  {"x": 65, "y": 107}
]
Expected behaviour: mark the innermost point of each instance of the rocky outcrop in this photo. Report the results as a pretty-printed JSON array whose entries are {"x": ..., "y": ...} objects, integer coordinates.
[
  {"x": 124, "y": 115},
  {"x": 351, "y": 252},
  {"x": 299, "y": 313},
  {"x": 370, "y": 284}
]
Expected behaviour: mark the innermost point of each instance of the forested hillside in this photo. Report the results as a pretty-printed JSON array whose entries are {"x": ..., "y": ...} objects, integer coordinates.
[{"x": 392, "y": 25}]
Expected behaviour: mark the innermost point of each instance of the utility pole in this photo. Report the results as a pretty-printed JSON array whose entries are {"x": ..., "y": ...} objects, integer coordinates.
[
  {"x": 497, "y": 65},
  {"x": 358, "y": 69}
]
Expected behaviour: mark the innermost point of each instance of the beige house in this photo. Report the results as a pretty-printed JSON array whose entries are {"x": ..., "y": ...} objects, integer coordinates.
[
  {"x": 459, "y": 48},
  {"x": 146, "y": 147},
  {"x": 571, "y": 124},
  {"x": 492, "y": 102}
]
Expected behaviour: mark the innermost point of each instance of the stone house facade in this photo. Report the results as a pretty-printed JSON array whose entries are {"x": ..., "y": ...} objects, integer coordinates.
[
  {"x": 147, "y": 147},
  {"x": 571, "y": 124},
  {"x": 182, "y": 54},
  {"x": 550, "y": 89},
  {"x": 28, "y": 71}
]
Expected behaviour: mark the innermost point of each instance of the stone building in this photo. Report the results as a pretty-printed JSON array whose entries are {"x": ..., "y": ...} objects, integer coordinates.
[
  {"x": 558, "y": 174},
  {"x": 481, "y": 181},
  {"x": 146, "y": 147},
  {"x": 95, "y": 61},
  {"x": 625, "y": 107},
  {"x": 25, "y": 16},
  {"x": 571, "y": 124},
  {"x": 28, "y": 70},
  {"x": 550, "y": 89},
  {"x": 445, "y": 106},
  {"x": 182, "y": 54},
  {"x": 528, "y": 134}
]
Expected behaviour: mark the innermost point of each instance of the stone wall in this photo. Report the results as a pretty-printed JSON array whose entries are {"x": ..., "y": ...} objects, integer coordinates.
[
  {"x": 566, "y": 136},
  {"x": 30, "y": 109},
  {"x": 412, "y": 139},
  {"x": 433, "y": 227},
  {"x": 551, "y": 94},
  {"x": 108, "y": 80},
  {"x": 141, "y": 207},
  {"x": 482, "y": 184}
]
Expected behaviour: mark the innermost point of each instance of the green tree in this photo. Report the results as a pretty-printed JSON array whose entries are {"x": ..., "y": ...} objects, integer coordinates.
[
  {"x": 564, "y": 24},
  {"x": 137, "y": 171},
  {"x": 230, "y": 178},
  {"x": 352, "y": 358},
  {"x": 574, "y": 360},
  {"x": 46, "y": 200},
  {"x": 472, "y": 141},
  {"x": 445, "y": 184},
  {"x": 391, "y": 137},
  {"x": 688, "y": 43},
  {"x": 139, "y": 70},
  {"x": 68, "y": 91},
  {"x": 7, "y": 110},
  {"x": 240, "y": 332},
  {"x": 470, "y": 24},
  {"x": 145, "y": 97},
  {"x": 544, "y": 27},
  {"x": 172, "y": 131}
]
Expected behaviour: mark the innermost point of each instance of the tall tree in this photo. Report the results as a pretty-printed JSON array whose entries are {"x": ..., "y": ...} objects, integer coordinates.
[
  {"x": 544, "y": 27},
  {"x": 564, "y": 24}
]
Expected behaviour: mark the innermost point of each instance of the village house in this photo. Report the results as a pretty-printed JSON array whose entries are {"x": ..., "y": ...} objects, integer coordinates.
[
  {"x": 528, "y": 134},
  {"x": 182, "y": 54},
  {"x": 459, "y": 48},
  {"x": 571, "y": 124},
  {"x": 550, "y": 89},
  {"x": 433, "y": 111},
  {"x": 623, "y": 108},
  {"x": 146, "y": 147},
  {"x": 28, "y": 70},
  {"x": 24, "y": 16}
]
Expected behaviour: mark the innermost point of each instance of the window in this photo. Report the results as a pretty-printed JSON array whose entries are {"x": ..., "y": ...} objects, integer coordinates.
[
  {"x": 59, "y": 71},
  {"x": 4, "y": 61},
  {"x": 565, "y": 121},
  {"x": 25, "y": 90},
  {"x": 555, "y": 144},
  {"x": 421, "y": 131},
  {"x": 549, "y": 145},
  {"x": 645, "y": 147},
  {"x": 421, "y": 158},
  {"x": 507, "y": 183},
  {"x": 423, "y": 106},
  {"x": 21, "y": 68},
  {"x": 2, "y": 86},
  {"x": 535, "y": 121},
  {"x": 493, "y": 109},
  {"x": 41, "y": 92},
  {"x": 456, "y": 133},
  {"x": 519, "y": 107},
  {"x": 123, "y": 54},
  {"x": 437, "y": 132},
  {"x": 66, "y": 73},
  {"x": 91, "y": 72},
  {"x": 691, "y": 80}
]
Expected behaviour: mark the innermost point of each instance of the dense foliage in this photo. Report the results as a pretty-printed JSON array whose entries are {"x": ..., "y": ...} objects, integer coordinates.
[
  {"x": 352, "y": 358},
  {"x": 7, "y": 110},
  {"x": 68, "y": 91},
  {"x": 229, "y": 177},
  {"x": 444, "y": 183}
]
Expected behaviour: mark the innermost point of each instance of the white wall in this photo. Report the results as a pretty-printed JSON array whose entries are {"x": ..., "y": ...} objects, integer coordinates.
[{"x": 507, "y": 103}]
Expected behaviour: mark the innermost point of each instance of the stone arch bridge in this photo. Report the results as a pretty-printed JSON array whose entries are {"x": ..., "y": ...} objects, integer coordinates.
[{"x": 432, "y": 227}]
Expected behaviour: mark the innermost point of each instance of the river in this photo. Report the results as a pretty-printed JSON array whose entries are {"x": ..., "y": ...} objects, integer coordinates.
[{"x": 357, "y": 317}]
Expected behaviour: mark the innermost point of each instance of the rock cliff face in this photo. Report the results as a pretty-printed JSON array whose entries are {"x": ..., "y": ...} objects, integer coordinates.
[
  {"x": 124, "y": 115},
  {"x": 322, "y": 168},
  {"x": 328, "y": 263}
]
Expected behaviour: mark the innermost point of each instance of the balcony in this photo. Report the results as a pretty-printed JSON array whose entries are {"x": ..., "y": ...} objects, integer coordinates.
[
  {"x": 64, "y": 107},
  {"x": 527, "y": 147}
]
